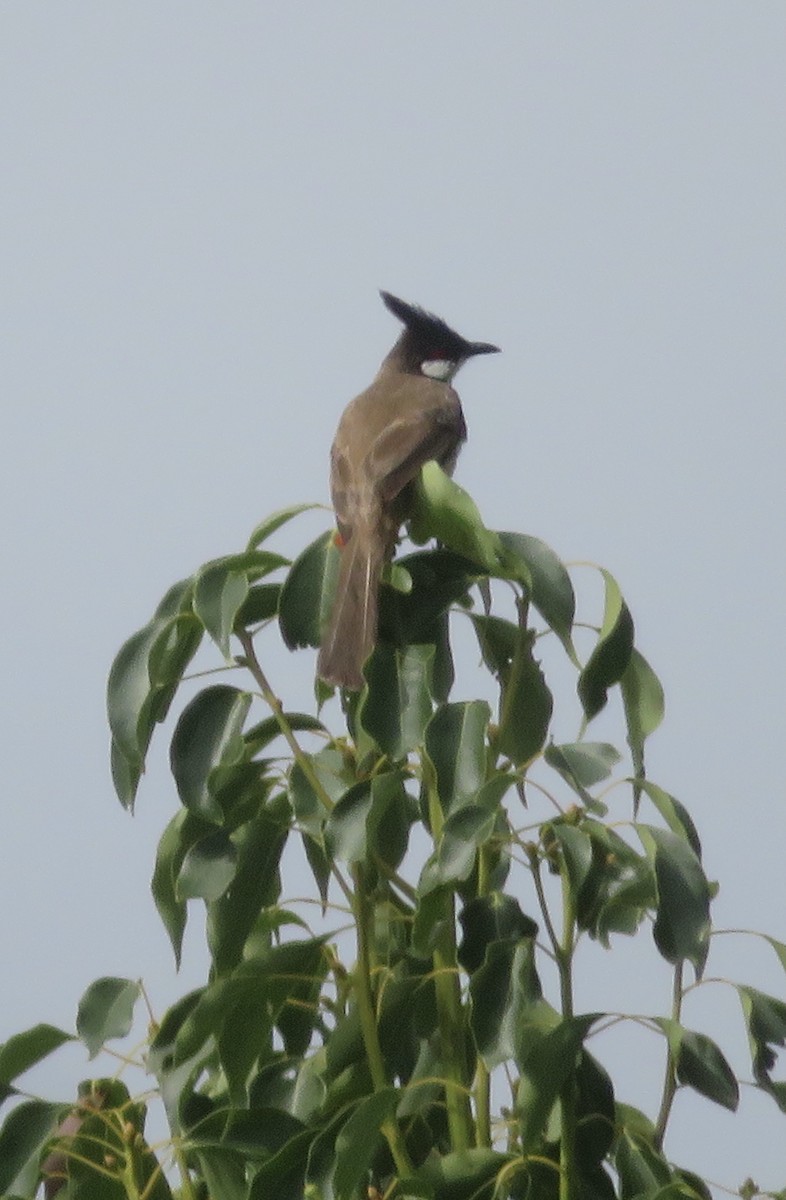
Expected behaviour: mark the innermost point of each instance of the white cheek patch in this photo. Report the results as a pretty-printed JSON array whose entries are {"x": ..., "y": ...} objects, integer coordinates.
[{"x": 438, "y": 368}]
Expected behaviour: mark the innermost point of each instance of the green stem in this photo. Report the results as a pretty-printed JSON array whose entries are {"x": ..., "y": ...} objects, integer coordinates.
[
  {"x": 298, "y": 753},
  {"x": 450, "y": 1013},
  {"x": 302, "y": 759},
  {"x": 568, "y": 1181},
  {"x": 368, "y": 1020},
  {"x": 670, "y": 1078},
  {"x": 482, "y": 1085},
  {"x": 186, "y": 1186}
]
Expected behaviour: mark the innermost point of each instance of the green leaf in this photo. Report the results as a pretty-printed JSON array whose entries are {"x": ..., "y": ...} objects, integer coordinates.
[
  {"x": 642, "y": 1170},
  {"x": 270, "y": 524},
  {"x": 595, "y": 1114},
  {"x": 643, "y": 701},
  {"x": 106, "y": 1011},
  {"x": 307, "y": 595},
  {"x": 142, "y": 682},
  {"x": 582, "y": 765},
  {"x": 495, "y": 917},
  {"x": 335, "y": 776},
  {"x": 700, "y": 1065},
  {"x": 463, "y": 834},
  {"x": 23, "y": 1135},
  {"x": 444, "y": 511},
  {"x": 682, "y": 923},
  {"x": 358, "y": 1140},
  {"x": 221, "y": 589},
  {"x": 620, "y": 887},
  {"x": 438, "y": 578},
  {"x": 765, "y": 1018},
  {"x": 224, "y": 1172},
  {"x": 390, "y": 819},
  {"x": 548, "y": 584},
  {"x": 283, "y": 1175},
  {"x": 526, "y": 704},
  {"x": 396, "y": 707},
  {"x": 674, "y": 814},
  {"x": 546, "y": 1062},
  {"x": 264, "y": 732},
  {"x": 460, "y": 1175},
  {"x": 345, "y": 830},
  {"x": 778, "y": 947},
  {"x": 456, "y": 744},
  {"x": 576, "y": 848},
  {"x": 208, "y": 868},
  {"x": 258, "y": 844},
  {"x": 209, "y": 734},
  {"x": 501, "y": 990},
  {"x": 23, "y": 1050},
  {"x": 609, "y": 660},
  {"x": 182, "y": 832},
  {"x": 260, "y": 605}
]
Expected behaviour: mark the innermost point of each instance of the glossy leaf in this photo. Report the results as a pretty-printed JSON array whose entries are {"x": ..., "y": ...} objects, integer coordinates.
[
  {"x": 501, "y": 990},
  {"x": 260, "y": 605},
  {"x": 463, "y": 834},
  {"x": 596, "y": 1115},
  {"x": 23, "y": 1050},
  {"x": 438, "y": 578},
  {"x": 182, "y": 832},
  {"x": 222, "y": 587},
  {"x": 345, "y": 830},
  {"x": 547, "y": 582},
  {"x": 224, "y": 1172},
  {"x": 335, "y": 777},
  {"x": 641, "y": 1168},
  {"x": 208, "y": 868},
  {"x": 609, "y": 660},
  {"x": 142, "y": 682},
  {"x": 765, "y": 1018},
  {"x": 209, "y": 734},
  {"x": 526, "y": 704},
  {"x": 700, "y": 1065},
  {"x": 576, "y": 848},
  {"x": 443, "y": 510},
  {"x": 461, "y": 1175},
  {"x": 106, "y": 1011},
  {"x": 307, "y": 594},
  {"x": 258, "y": 846},
  {"x": 270, "y": 524},
  {"x": 487, "y": 919},
  {"x": 397, "y": 706},
  {"x": 456, "y": 744},
  {"x": 23, "y": 1135},
  {"x": 546, "y": 1061},
  {"x": 358, "y": 1140},
  {"x": 682, "y": 922},
  {"x": 582, "y": 765},
  {"x": 389, "y": 821},
  {"x": 674, "y": 814},
  {"x": 259, "y": 736},
  {"x": 283, "y": 1175},
  {"x": 644, "y": 705}
]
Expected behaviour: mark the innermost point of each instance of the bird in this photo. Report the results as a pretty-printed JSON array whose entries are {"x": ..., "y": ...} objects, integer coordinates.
[{"x": 408, "y": 416}]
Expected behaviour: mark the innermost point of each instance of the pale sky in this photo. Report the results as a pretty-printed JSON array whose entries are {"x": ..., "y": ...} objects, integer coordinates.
[{"x": 199, "y": 203}]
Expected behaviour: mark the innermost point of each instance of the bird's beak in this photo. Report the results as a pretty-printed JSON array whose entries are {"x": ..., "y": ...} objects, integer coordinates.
[{"x": 481, "y": 348}]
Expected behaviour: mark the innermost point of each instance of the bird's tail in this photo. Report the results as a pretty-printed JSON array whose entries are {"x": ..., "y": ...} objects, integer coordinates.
[{"x": 352, "y": 630}]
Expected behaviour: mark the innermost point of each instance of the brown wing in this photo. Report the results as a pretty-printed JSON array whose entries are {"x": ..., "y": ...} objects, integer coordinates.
[{"x": 413, "y": 440}]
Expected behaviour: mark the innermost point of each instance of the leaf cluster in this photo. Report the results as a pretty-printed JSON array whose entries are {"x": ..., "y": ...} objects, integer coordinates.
[{"x": 411, "y": 1028}]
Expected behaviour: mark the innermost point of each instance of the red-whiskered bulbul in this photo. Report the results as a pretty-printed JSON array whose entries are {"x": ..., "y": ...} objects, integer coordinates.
[{"x": 408, "y": 416}]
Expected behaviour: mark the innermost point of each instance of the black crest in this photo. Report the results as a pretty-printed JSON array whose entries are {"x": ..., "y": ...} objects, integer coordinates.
[{"x": 433, "y": 336}]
